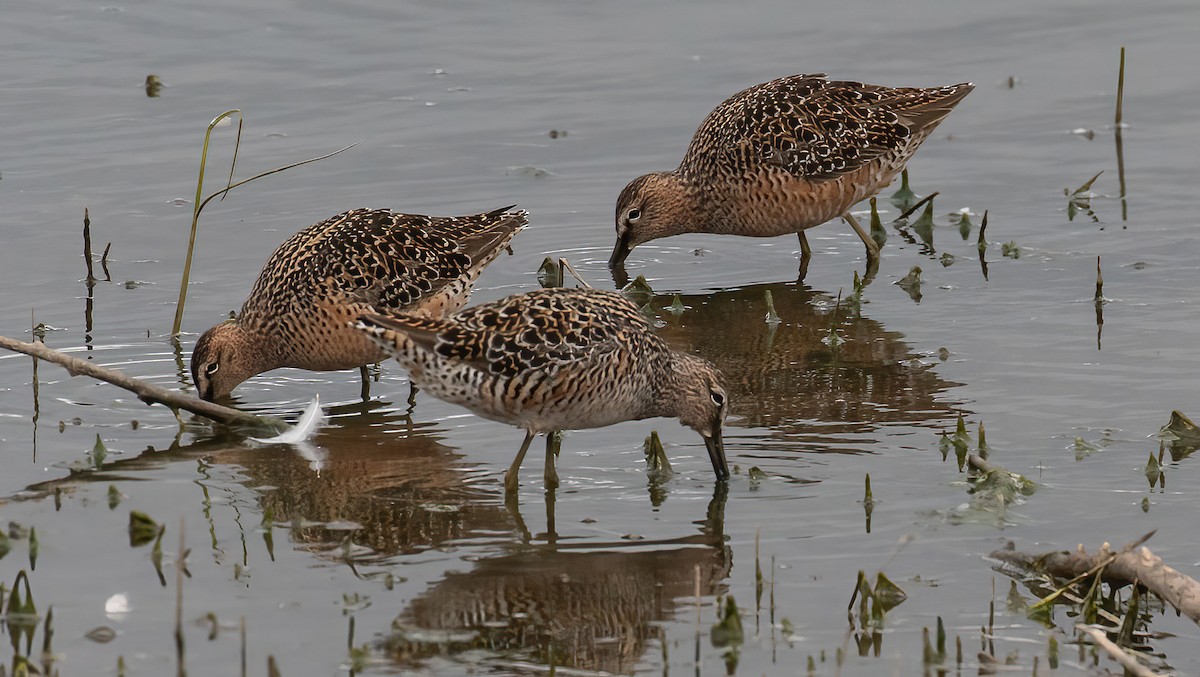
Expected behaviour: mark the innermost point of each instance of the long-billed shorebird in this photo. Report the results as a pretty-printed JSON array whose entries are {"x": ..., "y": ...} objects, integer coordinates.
[
  {"x": 782, "y": 157},
  {"x": 324, "y": 277},
  {"x": 557, "y": 359}
]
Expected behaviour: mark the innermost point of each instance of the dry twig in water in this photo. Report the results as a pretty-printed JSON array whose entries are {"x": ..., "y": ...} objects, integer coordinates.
[
  {"x": 146, "y": 392},
  {"x": 1132, "y": 564},
  {"x": 1131, "y": 664}
]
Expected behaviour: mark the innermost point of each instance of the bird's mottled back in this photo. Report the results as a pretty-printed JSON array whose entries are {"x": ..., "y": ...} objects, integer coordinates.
[
  {"x": 547, "y": 330},
  {"x": 323, "y": 277},
  {"x": 387, "y": 259},
  {"x": 813, "y": 128}
]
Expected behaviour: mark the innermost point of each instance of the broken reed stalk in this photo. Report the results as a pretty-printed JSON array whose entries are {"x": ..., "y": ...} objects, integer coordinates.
[
  {"x": 87, "y": 246},
  {"x": 566, "y": 266},
  {"x": 200, "y": 204},
  {"x": 179, "y": 564},
  {"x": 1099, "y": 298},
  {"x": 146, "y": 392},
  {"x": 909, "y": 212},
  {"x": 1132, "y": 665},
  {"x": 1120, "y": 88},
  {"x": 104, "y": 262},
  {"x": 698, "y": 609},
  {"x": 242, "y": 631}
]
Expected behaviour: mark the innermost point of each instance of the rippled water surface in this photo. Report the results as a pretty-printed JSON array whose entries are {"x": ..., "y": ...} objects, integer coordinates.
[{"x": 387, "y": 546}]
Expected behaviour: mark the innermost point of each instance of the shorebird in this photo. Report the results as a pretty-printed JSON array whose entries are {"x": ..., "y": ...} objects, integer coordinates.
[
  {"x": 556, "y": 359},
  {"x": 325, "y": 276},
  {"x": 782, "y": 157}
]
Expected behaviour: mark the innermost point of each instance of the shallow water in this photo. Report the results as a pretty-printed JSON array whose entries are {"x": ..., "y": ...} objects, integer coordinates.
[{"x": 392, "y": 535}]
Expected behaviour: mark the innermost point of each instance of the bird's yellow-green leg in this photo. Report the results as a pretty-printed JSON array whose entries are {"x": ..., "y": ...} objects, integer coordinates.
[
  {"x": 553, "y": 446},
  {"x": 511, "y": 478},
  {"x": 805, "y": 254}
]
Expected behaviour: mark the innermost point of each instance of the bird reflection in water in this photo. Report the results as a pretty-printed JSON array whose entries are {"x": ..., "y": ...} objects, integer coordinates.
[
  {"x": 596, "y": 610},
  {"x": 386, "y": 485},
  {"x": 787, "y": 378}
]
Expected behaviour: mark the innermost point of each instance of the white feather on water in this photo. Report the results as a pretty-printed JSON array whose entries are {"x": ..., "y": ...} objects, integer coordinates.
[
  {"x": 310, "y": 421},
  {"x": 299, "y": 435}
]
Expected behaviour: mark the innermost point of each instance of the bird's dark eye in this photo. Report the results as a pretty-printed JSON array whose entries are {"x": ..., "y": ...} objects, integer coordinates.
[
  {"x": 718, "y": 398},
  {"x": 634, "y": 214},
  {"x": 211, "y": 368}
]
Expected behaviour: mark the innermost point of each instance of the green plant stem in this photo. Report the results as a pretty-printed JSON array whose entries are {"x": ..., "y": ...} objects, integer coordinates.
[
  {"x": 1120, "y": 87},
  {"x": 187, "y": 264}
]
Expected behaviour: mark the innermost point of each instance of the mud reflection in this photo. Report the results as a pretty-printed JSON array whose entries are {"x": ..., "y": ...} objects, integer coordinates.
[
  {"x": 788, "y": 378},
  {"x": 597, "y": 610}
]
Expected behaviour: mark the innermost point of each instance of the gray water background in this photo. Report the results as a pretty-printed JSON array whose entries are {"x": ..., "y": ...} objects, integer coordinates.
[{"x": 452, "y": 104}]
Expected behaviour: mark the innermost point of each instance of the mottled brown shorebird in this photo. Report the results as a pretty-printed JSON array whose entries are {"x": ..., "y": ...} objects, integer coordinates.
[
  {"x": 324, "y": 277},
  {"x": 781, "y": 157},
  {"x": 557, "y": 359}
]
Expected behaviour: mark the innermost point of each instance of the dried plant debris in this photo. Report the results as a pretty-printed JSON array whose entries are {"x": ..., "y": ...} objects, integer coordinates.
[
  {"x": 728, "y": 631},
  {"x": 676, "y": 308},
  {"x": 873, "y": 603},
  {"x": 1153, "y": 471},
  {"x": 529, "y": 171},
  {"x": 1082, "y": 572},
  {"x": 904, "y": 198},
  {"x": 962, "y": 219},
  {"x": 1083, "y": 448},
  {"x": 1080, "y": 199},
  {"x": 994, "y": 489},
  {"x": 923, "y": 226},
  {"x": 911, "y": 283},
  {"x": 142, "y": 529},
  {"x": 154, "y": 85},
  {"x": 1180, "y": 435},
  {"x": 878, "y": 232},
  {"x": 639, "y": 291},
  {"x": 855, "y": 300},
  {"x": 960, "y": 441},
  {"x": 772, "y": 317},
  {"x": 656, "y": 456},
  {"x": 550, "y": 273}
]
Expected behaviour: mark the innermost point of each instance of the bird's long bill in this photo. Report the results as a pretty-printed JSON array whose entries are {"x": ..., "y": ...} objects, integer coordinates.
[
  {"x": 620, "y": 250},
  {"x": 716, "y": 453}
]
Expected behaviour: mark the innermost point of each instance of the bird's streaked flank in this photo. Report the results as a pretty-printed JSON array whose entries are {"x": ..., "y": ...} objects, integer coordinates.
[{"x": 557, "y": 359}]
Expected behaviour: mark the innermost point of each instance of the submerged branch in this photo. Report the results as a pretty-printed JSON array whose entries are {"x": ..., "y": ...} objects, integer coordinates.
[
  {"x": 1132, "y": 564},
  {"x": 1127, "y": 661},
  {"x": 921, "y": 203},
  {"x": 146, "y": 392}
]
